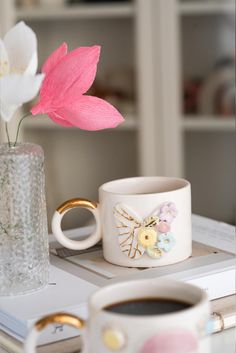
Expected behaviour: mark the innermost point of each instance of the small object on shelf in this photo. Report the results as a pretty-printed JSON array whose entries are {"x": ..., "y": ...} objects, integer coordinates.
[
  {"x": 191, "y": 93},
  {"x": 214, "y": 95},
  {"x": 117, "y": 87},
  {"x": 217, "y": 94}
]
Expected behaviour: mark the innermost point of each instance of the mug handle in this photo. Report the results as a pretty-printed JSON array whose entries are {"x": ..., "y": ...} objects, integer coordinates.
[
  {"x": 58, "y": 318},
  {"x": 93, "y": 239}
]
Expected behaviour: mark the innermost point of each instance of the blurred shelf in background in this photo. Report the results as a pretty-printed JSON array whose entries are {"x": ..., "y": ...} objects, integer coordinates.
[
  {"x": 204, "y": 123},
  {"x": 44, "y": 122},
  {"x": 108, "y": 10},
  {"x": 206, "y": 7}
]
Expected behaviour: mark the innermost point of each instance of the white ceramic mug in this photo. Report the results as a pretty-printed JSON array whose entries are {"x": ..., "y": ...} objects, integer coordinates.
[
  {"x": 183, "y": 331},
  {"x": 143, "y": 221}
]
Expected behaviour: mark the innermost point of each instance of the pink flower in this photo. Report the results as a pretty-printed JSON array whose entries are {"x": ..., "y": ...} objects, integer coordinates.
[
  {"x": 168, "y": 212},
  {"x": 163, "y": 227},
  {"x": 68, "y": 77},
  {"x": 171, "y": 341}
]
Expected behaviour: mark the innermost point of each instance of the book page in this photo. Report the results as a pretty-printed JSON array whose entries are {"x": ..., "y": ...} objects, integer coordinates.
[
  {"x": 213, "y": 233},
  {"x": 93, "y": 260}
]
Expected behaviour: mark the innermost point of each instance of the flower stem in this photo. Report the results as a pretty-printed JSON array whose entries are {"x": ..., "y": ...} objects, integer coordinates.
[
  {"x": 18, "y": 128},
  {"x": 7, "y": 133}
]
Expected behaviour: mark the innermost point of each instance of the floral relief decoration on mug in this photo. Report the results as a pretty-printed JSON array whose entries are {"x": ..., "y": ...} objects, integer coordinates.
[
  {"x": 151, "y": 235},
  {"x": 175, "y": 340},
  {"x": 205, "y": 326},
  {"x": 113, "y": 339}
]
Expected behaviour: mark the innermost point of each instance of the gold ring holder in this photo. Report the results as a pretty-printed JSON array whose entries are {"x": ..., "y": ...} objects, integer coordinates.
[
  {"x": 77, "y": 202},
  {"x": 60, "y": 318}
]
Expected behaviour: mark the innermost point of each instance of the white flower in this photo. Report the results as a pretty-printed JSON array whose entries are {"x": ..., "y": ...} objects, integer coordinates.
[{"x": 18, "y": 65}]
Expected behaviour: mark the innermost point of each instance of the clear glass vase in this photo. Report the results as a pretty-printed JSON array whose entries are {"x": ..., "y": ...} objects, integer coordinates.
[{"x": 24, "y": 255}]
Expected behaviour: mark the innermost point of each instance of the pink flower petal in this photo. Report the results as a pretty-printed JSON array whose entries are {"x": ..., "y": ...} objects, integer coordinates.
[
  {"x": 68, "y": 76},
  {"x": 78, "y": 69},
  {"x": 90, "y": 113},
  {"x": 54, "y": 58},
  {"x": 37, "y": 109},
  {"x": 171, "y": 341},
  {"x": 59, "y": 120},
  {"x": 163, "y": 227}
]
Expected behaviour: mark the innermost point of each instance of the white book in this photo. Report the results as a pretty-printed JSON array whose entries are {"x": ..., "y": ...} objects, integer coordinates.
[
  {"x": 76, "y": 275},
  {"x": 65, "y": 292}
]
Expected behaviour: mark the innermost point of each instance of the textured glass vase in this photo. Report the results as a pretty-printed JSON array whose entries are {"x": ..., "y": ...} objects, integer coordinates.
[{"x": 24, "y": 256}]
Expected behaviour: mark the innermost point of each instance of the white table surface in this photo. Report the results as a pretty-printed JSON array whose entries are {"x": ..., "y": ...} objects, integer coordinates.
[{"x": 224, "y": 342}]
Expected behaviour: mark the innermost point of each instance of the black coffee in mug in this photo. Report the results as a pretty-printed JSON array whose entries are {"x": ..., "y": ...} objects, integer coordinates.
[{"x": 148, "y": 306}]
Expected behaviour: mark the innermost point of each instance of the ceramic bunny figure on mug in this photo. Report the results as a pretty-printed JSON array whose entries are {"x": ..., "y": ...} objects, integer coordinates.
[
  {"x": 146, "y": 316},
  {"x": 142, "y": 221}
]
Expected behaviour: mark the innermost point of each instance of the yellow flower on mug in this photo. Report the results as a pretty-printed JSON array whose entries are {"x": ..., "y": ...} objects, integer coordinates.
[{"x": 147, "y": 237}]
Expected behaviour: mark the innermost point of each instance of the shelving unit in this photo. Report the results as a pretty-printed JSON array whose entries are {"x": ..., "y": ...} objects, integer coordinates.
[
  {"x": 154, "y": 37},
  {"x": 208, "y": 141}
]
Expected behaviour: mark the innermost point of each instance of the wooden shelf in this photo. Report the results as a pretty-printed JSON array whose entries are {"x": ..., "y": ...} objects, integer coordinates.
[
  {"x": 82, "y": 11},
  {"x": 43, "y": 122},
  {"x": 207, "y": 7},
  {"x": 196, "y": 123}
]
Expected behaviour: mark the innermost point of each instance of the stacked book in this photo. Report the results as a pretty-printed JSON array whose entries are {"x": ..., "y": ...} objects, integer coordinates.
[{"x": 75, "y": 275}]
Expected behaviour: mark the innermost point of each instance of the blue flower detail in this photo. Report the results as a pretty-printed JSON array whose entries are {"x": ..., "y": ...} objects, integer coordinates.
[
  {"x": 166, "y": 241},
  {"x": 209, "y": 326}
]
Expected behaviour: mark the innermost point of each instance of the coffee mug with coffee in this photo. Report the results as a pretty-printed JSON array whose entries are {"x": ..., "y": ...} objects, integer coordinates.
[
  {"x": 142, "y": 221},
  {"x": 157, "y": 316}
]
